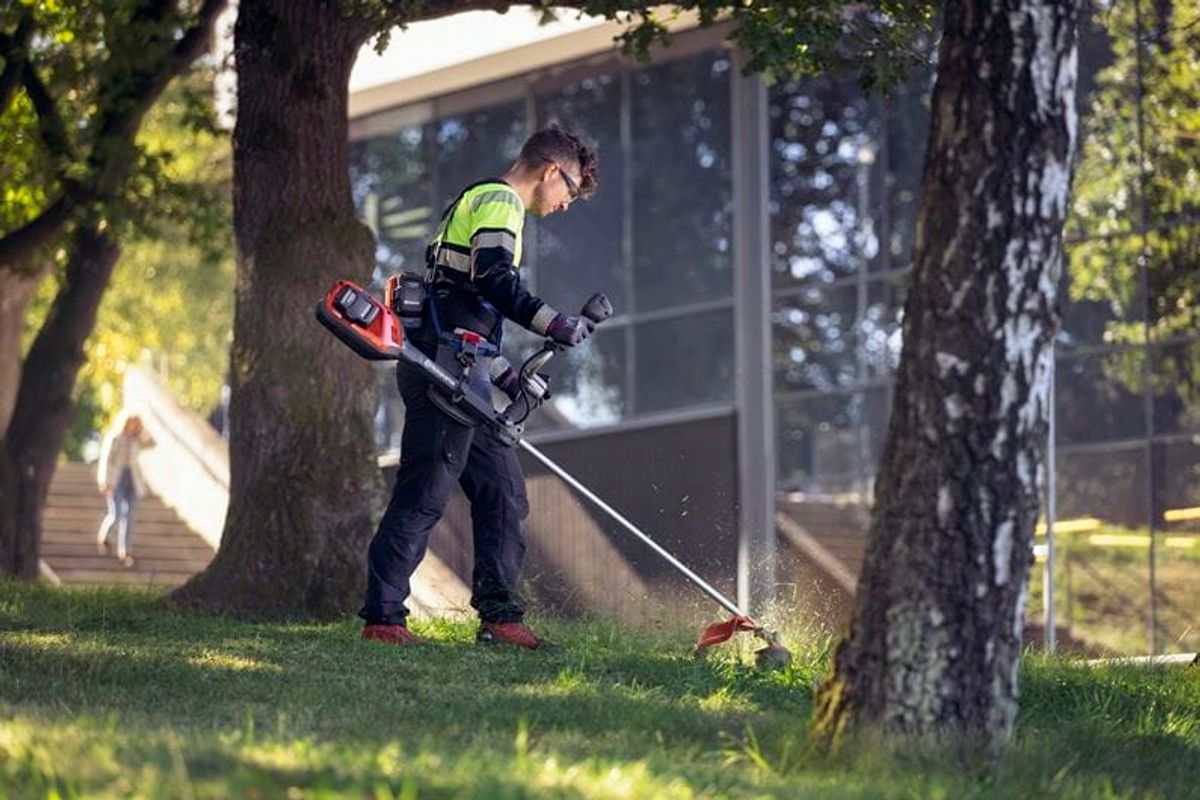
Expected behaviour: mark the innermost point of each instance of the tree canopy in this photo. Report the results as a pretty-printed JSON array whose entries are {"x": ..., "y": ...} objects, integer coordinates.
[{"x": 170, "y": 298}]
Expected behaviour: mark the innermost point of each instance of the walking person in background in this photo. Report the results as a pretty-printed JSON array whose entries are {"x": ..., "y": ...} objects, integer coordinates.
[{"x": 120, "y": 480}]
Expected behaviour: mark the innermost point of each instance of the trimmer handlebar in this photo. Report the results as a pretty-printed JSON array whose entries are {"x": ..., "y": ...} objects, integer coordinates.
[
  {"x": 374, "y": 331},
  {"x": 598, "y": 308}
]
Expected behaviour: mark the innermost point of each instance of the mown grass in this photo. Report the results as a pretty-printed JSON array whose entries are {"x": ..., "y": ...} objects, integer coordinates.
[{"x": 112, "y": 694}]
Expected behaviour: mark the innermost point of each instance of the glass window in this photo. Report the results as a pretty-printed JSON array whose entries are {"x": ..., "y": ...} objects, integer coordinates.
[
  {"x": 1172, "y": 95},
  {"x": 880, "y": 326},
  {"x": 824, "y": 444},
  {"x": 582, "y": 251},
  {"x": 389, "y": 178},
  {"x": 1104, "y": 196},
  {"x": 1098, "y": 397},
  {"x": 1177, "y": 486},
  {"x": 824, "y": 180},
  {"x": 1177, "y": 612},
  {"x": 682, "y": 187},
  {"x": 813, "y": 338},
  {"x": 684, "y": 361},
  {"x": 476, "y": 145},
  {"x": 1107, "y": 484},
  {"x": 1103, "y": 577},
  {"x": 837, "y": 337},
  {"x": 587, "y": 383}
]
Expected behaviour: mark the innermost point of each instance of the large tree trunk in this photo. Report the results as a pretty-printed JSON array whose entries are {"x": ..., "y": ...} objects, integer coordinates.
[
  {"x": 16, "y": 290},
  {"x": 42, "y": 414},
  {"x": 936, "y": 632},
  {"x": 304, "y": 481}
]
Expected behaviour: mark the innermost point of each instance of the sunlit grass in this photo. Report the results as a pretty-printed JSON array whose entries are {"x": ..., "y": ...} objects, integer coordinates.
[{"x": 112, "y": 694}]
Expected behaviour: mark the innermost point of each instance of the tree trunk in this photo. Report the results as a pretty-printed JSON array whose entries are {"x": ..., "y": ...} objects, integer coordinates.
[
  {"x": 43, "y": 409},
  {"x": 304, "y": 481},
  {"x": 936, "y": 633},
  {"x": 16, "y": 290}
]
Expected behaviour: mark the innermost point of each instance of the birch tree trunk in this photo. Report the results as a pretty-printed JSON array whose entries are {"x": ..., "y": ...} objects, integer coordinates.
[
  {"x": 936, "y": 631},
  {"x": 304, "y": 480}
]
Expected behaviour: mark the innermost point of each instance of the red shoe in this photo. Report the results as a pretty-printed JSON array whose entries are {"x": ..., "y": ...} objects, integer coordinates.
[
  {"x": 398, "y": 635},
  {"x": 514, "y": 633}
]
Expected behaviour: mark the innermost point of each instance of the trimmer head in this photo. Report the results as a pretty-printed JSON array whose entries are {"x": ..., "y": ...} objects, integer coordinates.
[{"x": 774, "y": 655}]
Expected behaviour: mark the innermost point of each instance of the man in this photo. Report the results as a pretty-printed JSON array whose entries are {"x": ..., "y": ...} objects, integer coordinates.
[{"x": 474, "y": 286}]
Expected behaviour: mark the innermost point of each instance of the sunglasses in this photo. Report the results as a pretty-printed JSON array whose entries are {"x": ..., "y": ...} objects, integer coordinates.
[{"x": 572, "y": 186}]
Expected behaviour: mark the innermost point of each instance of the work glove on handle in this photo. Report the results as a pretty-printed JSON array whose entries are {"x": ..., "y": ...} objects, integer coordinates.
[
  {"x": 570, "y": 330},
  {"x": 505, "y": 377}
]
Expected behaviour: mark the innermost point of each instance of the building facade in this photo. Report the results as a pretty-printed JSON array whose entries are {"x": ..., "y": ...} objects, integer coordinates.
[{"x": 756, "y": 242}]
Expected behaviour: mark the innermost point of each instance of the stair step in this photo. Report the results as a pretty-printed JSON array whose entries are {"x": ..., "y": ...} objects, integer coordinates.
[
  {"x": 181, "y": 551},
  {"x": 121, "y": 575},
  {"x": 166, "y": 551},
  {"x": 94, "y": 499},
  {"x": 69, "y": 529},
  {"x": 139, "y": 540},
  {"x": 96, "y": 513},
  {"x": 143, "y": 563}
]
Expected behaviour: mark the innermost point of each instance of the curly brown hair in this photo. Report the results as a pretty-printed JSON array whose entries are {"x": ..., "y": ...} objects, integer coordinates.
[{"x": 560, "y": 146}]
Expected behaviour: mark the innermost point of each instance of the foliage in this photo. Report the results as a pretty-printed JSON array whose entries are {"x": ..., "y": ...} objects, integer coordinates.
[
  {"x": 67, "y": 46},
  {"x": 1108, "y": 184},
  {"x": 880, "y": 41},
  {"x": 171, "y": 296},
  {"x": 86, "y": 73},
  {"x": 108, "y": 693}
]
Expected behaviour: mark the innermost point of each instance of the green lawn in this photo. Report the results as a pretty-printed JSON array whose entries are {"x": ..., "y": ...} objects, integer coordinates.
[{"x": 111, "y": 694}]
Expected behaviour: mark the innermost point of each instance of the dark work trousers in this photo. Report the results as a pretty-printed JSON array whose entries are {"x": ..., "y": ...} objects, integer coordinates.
[{"x": 435, "y": 453}]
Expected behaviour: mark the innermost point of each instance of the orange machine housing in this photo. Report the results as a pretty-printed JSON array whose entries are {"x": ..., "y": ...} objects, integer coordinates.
[{"x": 364, "y": 324}]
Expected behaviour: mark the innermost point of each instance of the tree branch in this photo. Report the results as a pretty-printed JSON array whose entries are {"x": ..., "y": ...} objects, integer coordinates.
[
  {"x": 153, "y": 83},
  {"x": 35, "y": 234},
  {"x": 108, "y": 164},
  {"x": 50, "y": 124}
]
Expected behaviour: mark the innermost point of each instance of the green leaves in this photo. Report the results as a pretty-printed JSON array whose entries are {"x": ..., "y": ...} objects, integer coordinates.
[{"x": 880, "y": 42}]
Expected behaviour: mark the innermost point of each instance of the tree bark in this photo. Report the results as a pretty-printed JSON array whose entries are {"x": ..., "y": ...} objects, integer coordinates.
[
  {"x": 43, "y": 409},
  {"x": 304, "y": 481},
  {"x": 16, "y": 290},
  {"x": 936, "y": 633}
]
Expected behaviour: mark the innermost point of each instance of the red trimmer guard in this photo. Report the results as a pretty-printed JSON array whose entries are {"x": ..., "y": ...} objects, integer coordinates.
[{"x": 723, "y": 631}]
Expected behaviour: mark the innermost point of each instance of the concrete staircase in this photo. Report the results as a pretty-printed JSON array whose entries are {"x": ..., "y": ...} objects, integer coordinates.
[{"x": 165, "y": 550}]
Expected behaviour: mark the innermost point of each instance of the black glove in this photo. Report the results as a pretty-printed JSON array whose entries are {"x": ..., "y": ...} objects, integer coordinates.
[{"x": 570, "y": 330}]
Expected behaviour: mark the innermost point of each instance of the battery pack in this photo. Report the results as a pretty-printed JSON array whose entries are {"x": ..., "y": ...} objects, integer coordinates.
[{"x": 364, "y": 324}]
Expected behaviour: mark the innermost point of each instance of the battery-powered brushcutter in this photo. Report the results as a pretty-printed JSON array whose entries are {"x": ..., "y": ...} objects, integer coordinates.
[{"x": 376, "y": 330}]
